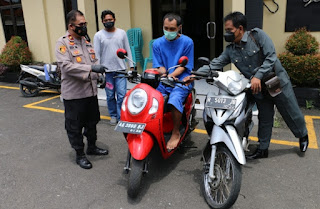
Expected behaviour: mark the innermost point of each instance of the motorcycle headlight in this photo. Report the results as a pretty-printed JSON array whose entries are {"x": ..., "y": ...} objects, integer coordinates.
[
  {"x": 137, "y": 101},
  {"x": 123, "y": 106},
  {"x": 154, "y": 107},
  {"x": 235, "y": 88}
]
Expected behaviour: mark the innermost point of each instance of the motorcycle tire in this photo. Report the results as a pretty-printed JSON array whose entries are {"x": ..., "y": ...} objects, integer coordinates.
[
  {"x": 27, "y": 91},
  {"x": 223, "y": 191},
  {"x": 135, "y": 177}
]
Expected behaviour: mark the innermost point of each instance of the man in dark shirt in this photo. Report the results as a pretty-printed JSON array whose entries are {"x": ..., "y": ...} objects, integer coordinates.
[{"x": 253, "y": 53}]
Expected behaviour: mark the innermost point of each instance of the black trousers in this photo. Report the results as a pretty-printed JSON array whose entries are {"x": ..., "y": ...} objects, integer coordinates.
[
  {"x": 81, "y": 118},
  {"x": 287, "y": 106}
]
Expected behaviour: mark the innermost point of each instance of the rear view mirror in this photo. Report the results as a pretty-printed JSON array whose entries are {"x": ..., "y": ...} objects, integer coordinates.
[
  {"x": 183, "y": 61},
  {"x": 122, "y": 53},
  {"x": 203, "y": 61}
]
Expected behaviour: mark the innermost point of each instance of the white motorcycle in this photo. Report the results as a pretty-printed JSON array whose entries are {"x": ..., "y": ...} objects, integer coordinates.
[
  {"x": 35, "y": 78},
  {"x": 228, "y": 120}
]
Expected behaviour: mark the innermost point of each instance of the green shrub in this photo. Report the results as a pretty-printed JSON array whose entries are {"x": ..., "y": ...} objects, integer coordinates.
[
  {"x": 302, "y": 60},
  {"x": 304, "y": 70},
  {"x": 3, "y": 69},
  {"x": 301, "y": 42},
  {"x": 15, "y": 52}
]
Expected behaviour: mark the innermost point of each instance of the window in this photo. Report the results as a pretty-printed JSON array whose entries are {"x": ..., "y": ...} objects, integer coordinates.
[
  {"x": 73, "y": 5},
  {"x": 68, "y": 6},
  {"x": 12, "y": 19}
]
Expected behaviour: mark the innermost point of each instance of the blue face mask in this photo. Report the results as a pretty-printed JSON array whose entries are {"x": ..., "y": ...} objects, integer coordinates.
[{"x": 170, "y": 35}]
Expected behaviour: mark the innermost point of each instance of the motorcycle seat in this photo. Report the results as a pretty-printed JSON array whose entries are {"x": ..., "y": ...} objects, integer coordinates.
[
  {"x": 41, "y": 68},
  {"x": 166, "y": 108}
]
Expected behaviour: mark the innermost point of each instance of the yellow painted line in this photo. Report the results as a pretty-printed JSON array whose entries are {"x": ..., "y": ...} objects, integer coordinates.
[
  {"x": 41, "y": 101},
  {"x": 313, "y": 144},
  {"x": 45, "y": 108},
  {"x": 308, "y": 118},
  {"x": 105, "y": 117},
  {"x": 50, "y": 91},
  {"x": 18, "y": 88},
  {"x": 282, "y": 142},
  {"x": 32, "y": 106},
  {"x": 311, "y": 132},
  {"x": 200, "y": 131},
  {"x": 9, "y": 87}
]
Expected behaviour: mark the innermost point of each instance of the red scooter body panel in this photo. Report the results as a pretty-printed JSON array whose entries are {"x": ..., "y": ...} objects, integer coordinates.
[
  {"x": 153, "y": 129},
  {"x": 156, "y": 124},
  {"x": 140, "y": 145}
]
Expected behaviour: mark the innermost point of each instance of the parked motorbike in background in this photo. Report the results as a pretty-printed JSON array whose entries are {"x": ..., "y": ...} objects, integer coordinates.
[
  {"x": 146, "y": 121},
  {"x": 228, "y": 120},
  {"x": 34, "y": 78}
]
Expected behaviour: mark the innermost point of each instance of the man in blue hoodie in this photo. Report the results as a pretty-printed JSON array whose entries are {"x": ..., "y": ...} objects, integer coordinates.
[{"x": 166, "y": 53}]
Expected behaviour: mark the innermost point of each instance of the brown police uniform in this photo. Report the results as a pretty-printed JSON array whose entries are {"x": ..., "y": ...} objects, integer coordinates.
[{"x": 78, "y": 89}]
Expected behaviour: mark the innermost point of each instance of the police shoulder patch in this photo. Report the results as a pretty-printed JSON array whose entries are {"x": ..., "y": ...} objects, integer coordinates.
[{"x": 62, "y": 49}]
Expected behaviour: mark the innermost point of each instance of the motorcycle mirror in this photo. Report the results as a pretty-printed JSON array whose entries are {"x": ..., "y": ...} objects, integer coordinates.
[
  {"x": 122, "y": 53},
  {"x": 204, "y": 60},
  {"x": 183, "y": 61}
]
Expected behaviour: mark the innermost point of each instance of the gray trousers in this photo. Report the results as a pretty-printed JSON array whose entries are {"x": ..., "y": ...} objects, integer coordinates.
[{"x": 287, "y": 106}]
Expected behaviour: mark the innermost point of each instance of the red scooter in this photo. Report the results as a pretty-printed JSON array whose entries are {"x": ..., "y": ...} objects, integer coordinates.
[{"x": 146, "y": 120}]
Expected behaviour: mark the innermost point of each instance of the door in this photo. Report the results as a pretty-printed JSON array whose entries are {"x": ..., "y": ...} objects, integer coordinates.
[{"x": 202, "y": 22}]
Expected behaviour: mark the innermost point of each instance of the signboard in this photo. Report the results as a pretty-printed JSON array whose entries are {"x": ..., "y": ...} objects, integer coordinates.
[{"x": 302, "y": 13}]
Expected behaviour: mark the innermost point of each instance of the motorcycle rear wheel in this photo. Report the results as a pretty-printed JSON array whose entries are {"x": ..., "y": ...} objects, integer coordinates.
[
  {"x": 223, "y": 191},
  {"x": 27, "y": 91},
  {"x": 135, "y": 176}
]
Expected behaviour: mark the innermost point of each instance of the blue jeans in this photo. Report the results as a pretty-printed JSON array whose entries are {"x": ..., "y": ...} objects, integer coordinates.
[{"x": 116, "y": 89}]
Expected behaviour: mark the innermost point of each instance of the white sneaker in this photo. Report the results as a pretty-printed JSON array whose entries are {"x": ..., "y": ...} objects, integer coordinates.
[{"x": 113, "y": 121}]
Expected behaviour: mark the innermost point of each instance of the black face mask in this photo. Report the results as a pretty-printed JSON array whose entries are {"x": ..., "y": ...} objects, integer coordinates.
[
  {"x": 81, "y": 31},
  {"x": 229, "y": 36},
  {"x": 108, "y": 25}
]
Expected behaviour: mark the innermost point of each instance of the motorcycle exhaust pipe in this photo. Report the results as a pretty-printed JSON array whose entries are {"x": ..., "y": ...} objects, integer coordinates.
[{"x": 28, "y": 84}]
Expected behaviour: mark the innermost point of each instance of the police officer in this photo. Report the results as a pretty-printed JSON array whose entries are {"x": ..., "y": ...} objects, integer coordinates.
[
  {"x": 253, "y": 53},
  {"x": 79, "y": 74}
]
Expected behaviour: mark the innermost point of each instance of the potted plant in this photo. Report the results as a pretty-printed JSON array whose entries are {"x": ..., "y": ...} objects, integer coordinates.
[
  {"x": 14, "y": 53},
  {"x": 302, "y": 62}
]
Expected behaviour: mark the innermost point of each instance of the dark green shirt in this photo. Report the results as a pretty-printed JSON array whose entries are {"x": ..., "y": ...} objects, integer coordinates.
[{"x": 245, "y": 56}]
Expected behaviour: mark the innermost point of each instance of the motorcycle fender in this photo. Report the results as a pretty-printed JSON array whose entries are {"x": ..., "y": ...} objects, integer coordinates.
[
  {"x": 28, "y": 83},
  {"x": 140, "y": 145},
  {"x": 231, "y": 139}
]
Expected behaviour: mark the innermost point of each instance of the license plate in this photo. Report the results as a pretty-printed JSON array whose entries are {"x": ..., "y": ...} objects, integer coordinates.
[
  {"x": 129, "y": 127},
  {"x": 221, "y": 103}
]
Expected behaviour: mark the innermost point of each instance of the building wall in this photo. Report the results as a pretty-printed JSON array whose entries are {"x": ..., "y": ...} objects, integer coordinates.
[
  {"x": 141, "y": 18},
  {"x": 122, "y": 11},
  {"x": 43, "y": 27},
  {"x": 2, "y": 37},
  {"x": 274, "y": 25},
  {"x": 130, "y": 14},
  {"x": 232, "y": 6},
  {"x": 87, "y": 8},
  {"x": 46, "y": 25}
]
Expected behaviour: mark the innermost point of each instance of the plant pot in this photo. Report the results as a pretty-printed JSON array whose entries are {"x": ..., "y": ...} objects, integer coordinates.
[
  {"x": 305, "y": 95},
  {"x": 10, "y": 77}
]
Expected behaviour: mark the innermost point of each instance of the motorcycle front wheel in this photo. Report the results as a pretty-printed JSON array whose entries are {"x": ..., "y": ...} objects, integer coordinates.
[
  {"x": 28, "y": 91},
  {"x": 222, "y": 191},
  {"x": 135, "y": 176}
]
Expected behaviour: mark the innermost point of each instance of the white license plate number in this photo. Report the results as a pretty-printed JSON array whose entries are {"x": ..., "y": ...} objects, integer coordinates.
[
  {"x": 221, "y": 102},
  {"x": 129, "y": 127}
]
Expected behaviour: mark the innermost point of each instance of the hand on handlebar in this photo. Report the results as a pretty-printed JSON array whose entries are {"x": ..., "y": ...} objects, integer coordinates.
[
  {"x": 98, "y": 68},
  {"x": 189, "y": 79},
  {"x": 172, "y": 77}
]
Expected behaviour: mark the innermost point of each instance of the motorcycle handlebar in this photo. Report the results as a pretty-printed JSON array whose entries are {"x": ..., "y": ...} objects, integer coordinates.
[
  {"x": 170, "y": 79},
  {"x": 201, "y": 75}
]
